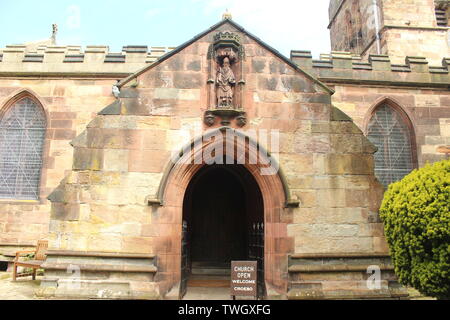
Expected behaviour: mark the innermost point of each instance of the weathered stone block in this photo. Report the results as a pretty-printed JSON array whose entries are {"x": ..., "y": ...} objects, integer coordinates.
[
  {"x": 329, "y": 182},
  {"x": 346, "y": 143},
  {"x": 337, "y": 164},
  {"x": 371, "y": 230},
  {"x": 105, "y": 243},
  {"x": 104, "y": 214},
  {"x": 194, "y": 65},
  {"x": 177, "y": 94},
  {"x": 314, "y": 143},
  {"x": 147, "y": 160},
  {"x": 349, "y": 164},
  {"x": 115, "y": 160},
  {"x": 137, "y": 244},
  {"x": 356, "y": 182},
  {"x": 308, "y": 198},
  {"x": 334, "y": 230},
  {"x": 65, "y": 211},
  {"x": 380, "y": 245},
  {"x": 188, "y": 80},
  {"x": 331, "y": 198},
  {"x": 87, "y": 159},
  {"x": 154, "y": 139},
  {"x": 356, "y": 198},
  {"x": 64, "y": 134},
  {"x": 297, "y": 163},
  {"x": 259, "y": 66},
  {"x": 135, "y": 106},
  {"x": 114, "y": 138},
  {"x": 319, "y": 161}
]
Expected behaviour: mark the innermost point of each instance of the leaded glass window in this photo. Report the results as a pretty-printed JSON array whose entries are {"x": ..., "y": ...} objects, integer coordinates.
[
  {"x": 22, "y": 133},
  {"x": 391, "y": 135}
]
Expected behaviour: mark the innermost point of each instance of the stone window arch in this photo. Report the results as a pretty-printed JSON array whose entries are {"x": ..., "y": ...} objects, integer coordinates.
[
  {"x": 391, "y": 131},
  {"x": 22, "y": 136}
]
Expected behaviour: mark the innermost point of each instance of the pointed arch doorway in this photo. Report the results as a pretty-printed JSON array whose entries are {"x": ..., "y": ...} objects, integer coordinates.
[
  {"x": 223, "y": 219},
  {"x": 183, "y": 176}
]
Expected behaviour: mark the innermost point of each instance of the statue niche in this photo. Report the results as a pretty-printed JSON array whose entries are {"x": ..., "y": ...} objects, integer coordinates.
[{"x": 225, "y": 82}]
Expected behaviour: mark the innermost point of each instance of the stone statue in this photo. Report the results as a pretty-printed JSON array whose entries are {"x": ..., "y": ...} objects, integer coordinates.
[
  {"x": 225, "y": 82},
  {"x": 54, "y": 32}
]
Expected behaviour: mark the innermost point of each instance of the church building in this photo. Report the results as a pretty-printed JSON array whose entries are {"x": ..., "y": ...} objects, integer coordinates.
[{"x": 151, "y": 169}]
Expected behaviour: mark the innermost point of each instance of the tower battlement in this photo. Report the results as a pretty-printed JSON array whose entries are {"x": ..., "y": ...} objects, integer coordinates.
[{"x": 98, "y": 61}]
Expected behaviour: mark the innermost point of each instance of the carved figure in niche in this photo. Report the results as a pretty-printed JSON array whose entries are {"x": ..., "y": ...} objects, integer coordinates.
[{"x": 225, "y": 84}]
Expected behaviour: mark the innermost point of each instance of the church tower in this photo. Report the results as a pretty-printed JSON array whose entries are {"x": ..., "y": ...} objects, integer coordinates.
[{"x": 397, "y": 28}]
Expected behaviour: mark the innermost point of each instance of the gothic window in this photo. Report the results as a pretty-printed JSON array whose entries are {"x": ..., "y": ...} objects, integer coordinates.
[
  {"x": 22, "y": 133},
  {"x": 390, "y": 132}
]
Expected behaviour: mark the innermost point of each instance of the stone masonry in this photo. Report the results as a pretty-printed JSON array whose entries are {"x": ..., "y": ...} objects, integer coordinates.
[
  {"x": 111, "y": 198},
  {"x": 120, "y": 159},
  {"x": 405, "y": 28}
]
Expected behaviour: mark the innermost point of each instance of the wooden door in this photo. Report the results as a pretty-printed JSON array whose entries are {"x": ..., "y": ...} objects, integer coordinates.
[{"x": 219, "y": 222}]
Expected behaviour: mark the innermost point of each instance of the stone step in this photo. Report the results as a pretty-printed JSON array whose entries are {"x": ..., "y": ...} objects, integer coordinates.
[
  {"x": 97, "y": 289},
  {"x": 350, "y": 262},
  {"x": 211, "y": 271},
  {"x": 209, "y": 277},
  {"x": 335, "y": 268},
  {"x": 345, "y": 290},
  {"x": 101, "y": 267},
  {"x": 210, "y": 268},
  {"x": 298, "y": 294}
]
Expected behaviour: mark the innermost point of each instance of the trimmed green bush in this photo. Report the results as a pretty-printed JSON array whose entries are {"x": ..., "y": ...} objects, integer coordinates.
[{"x": 416, "y": 216}]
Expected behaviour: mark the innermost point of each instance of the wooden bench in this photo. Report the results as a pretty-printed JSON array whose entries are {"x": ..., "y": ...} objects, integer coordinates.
[{"x": 39, "y": 258}]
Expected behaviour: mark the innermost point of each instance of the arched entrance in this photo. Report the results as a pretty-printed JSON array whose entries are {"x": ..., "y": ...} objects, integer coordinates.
[
  {"x": 222, "y": 207},
  {"x": 181, "y": 174}
]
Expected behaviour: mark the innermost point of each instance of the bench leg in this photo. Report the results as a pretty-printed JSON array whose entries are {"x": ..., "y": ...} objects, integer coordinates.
[
  {"x": 14, "y": 272},
  {"x": 33, "y": 276}
]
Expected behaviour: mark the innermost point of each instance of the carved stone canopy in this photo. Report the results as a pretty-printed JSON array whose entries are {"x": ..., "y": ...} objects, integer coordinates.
[
  {"x": 225, "y": 80},
  {"x": 227, "y": 39}
]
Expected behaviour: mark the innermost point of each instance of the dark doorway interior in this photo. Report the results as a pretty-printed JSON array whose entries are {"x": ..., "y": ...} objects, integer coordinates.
[
  {"x": 218, "y": 220},
  {"x": 221, "y": 207}
]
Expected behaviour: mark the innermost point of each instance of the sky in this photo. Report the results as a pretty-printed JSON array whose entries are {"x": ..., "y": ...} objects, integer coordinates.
[{"x": 283, "y": 24}]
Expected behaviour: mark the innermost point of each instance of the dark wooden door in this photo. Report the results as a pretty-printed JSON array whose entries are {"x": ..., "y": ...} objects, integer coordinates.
[{"x": 219, "y": 222}]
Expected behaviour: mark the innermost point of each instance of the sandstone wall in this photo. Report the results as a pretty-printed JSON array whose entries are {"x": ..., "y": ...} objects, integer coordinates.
[
  {"x": 406, "y": 28},
  {"x": 414, "y": 13},
  {"x": 120, "y": 159},
  {"x": 428, "y": 109},
  {"x": 409, "y": 28},
  {"x": 352, "y": 28},
  {"x": 404, "y": 41},
  {"x": 420, "y": 89},
  {"x": 69, "y": 105},
  {"x": 72, "y": 85}
]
